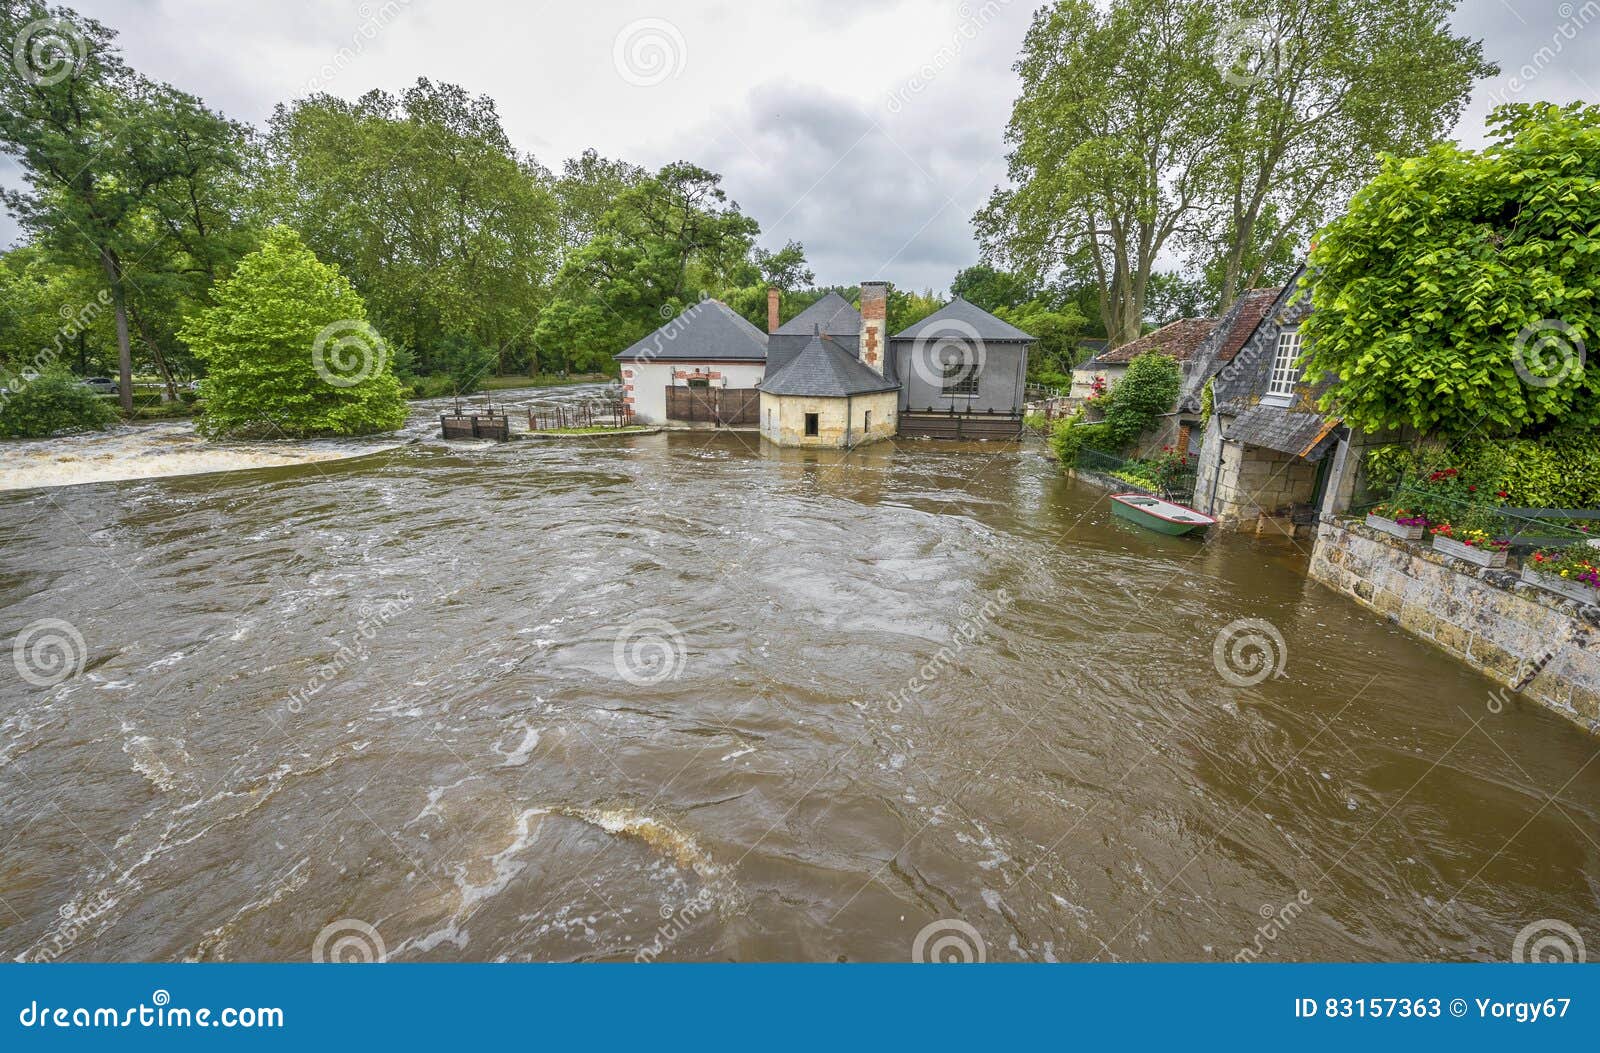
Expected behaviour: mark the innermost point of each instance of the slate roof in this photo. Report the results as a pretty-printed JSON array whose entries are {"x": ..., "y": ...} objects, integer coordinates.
[
  {"x": 1178, "y": 339},
  {"x": 710, "y": 331},
  {"x": 1284, "y": 430},
  {"x": 833, "y": 313},
  {"x": 1236, "y": 326},
  {"x": 967, "y": 319},
  {"x": 823, "y": 368}
]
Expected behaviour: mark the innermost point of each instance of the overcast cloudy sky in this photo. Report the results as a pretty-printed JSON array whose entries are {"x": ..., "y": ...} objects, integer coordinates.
[{"x": 806, "y": 108}]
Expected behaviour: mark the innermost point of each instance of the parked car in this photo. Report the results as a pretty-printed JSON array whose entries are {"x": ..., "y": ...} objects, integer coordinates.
[{"x": 100, "y": 385}]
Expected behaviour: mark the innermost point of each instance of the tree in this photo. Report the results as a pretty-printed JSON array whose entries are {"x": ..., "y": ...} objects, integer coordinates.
[
  {"x": 588, "y": 187},
  {"x": 991, "y": 289},
  {"x": 290, "y": 351},
  {"x": 54, "y": 404},
  {"x": 1459, "y": 290},
  {"x": 1315, "y": 91},
  {"x": 660, "y": 247},
  {"x": 784, "y": 269},
  {"x": 1227, "y": 129},
  {"x": 421, "y": 199},
  {"x": 100, "y": 147}
]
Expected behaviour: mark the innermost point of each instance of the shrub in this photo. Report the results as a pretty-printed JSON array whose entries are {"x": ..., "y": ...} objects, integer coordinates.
[
  {"x": 1071, "y": 435},
  {"x": 1557, "y": 471},
  {"x": 289, "y": 351},
  {"x": 1147, "y": 391},
  {"x": 54, "y": 404}
]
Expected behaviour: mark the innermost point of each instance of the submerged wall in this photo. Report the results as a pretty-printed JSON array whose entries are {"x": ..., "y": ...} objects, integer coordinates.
[{"x": 1530, "y": 640}]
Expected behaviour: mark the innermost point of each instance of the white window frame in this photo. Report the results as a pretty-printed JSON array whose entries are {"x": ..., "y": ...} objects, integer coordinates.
[{"x": 1280, "y": 386}]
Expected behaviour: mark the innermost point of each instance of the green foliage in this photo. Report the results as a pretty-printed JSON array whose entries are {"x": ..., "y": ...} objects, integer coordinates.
[
  {"x": 422, "y": 201},
  {"x": 1072, "y": 435},
  {"x": 1556, "y": 471},
  {"x": 1146, "y": 391},
  {"x": 1055, "y": 331},
  {"x": 261, "y": 341},
  {"x": 53, "y": 404},
  {"x": 1208, "y": 402},
  {"x": 1129, "y": 139},
  {"x": 991, "y": 289},
  {"x": 1458, "y": 275}
]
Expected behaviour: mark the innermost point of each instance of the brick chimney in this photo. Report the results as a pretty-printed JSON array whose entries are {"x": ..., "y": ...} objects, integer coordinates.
[
  {"x": 772, "y": 308},
  {"x": 874, "y": 324}
]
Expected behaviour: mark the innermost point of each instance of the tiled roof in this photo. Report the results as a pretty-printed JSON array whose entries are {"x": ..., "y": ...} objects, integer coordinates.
[
  {"x": 966, "y": 319},
  {"x": 1246, "y": 313},
  {"x": 825, "y": 369},
  {"x": 833, "y": 313},
  {"x": 1177, "y": 339},
  {"x": 710, "y": 331}
]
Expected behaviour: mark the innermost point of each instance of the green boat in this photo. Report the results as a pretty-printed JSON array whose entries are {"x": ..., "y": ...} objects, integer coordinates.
[{"x": 1164, "y": 517}]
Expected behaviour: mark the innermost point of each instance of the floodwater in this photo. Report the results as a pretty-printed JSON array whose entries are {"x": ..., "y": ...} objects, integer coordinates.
[{"x": 686, "y": 697}]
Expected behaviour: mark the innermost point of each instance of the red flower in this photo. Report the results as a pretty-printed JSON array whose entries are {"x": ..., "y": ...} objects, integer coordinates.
[
  {"x": 1472, "y": 489},
  {"x": 1502, "y": 494}
]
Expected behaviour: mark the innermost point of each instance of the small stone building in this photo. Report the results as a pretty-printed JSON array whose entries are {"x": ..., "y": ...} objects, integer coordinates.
[
  {"x": 1263, "y": 463},
  {"x": 824, "y": 396}
]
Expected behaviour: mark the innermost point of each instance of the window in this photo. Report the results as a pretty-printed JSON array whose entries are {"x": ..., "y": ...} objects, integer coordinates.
[
  {"x": 866, "y": 421},
  {"x": 811, "y": 424},
  {"x": 960, "y": 377},
  {"x": 1284, "y": 374},
  {"x": 698, "y": 381}
]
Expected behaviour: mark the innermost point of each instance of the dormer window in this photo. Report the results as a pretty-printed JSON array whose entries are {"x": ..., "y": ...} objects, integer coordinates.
[{"x": 1284, "y": 373}]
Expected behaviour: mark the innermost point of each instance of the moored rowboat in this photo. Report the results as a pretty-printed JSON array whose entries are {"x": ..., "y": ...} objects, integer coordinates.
[{"x": 1159, "y": 515}]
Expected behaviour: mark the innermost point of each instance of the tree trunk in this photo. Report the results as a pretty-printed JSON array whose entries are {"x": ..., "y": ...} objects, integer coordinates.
[
  {"x": 170, "y": 392},
  {"x": 113, "y": 269}
]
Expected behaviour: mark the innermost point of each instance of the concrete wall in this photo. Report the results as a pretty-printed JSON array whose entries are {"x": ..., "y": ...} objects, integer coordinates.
[
  {"x": 1519, "y": 635},
  {"x": 1083, "y": 379},
  {"x": 644, "y": 384},
  {"x": 1001, "y": 380},
  {"x": 841, "y": 422},
  {"x": 1250, "y": 487}
]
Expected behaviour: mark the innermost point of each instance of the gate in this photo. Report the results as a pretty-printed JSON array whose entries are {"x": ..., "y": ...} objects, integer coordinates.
[{"x": 724, "y": 406}]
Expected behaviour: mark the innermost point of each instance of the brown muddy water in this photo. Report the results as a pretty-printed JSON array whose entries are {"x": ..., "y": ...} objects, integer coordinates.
[{"x": 686, "y": 697}]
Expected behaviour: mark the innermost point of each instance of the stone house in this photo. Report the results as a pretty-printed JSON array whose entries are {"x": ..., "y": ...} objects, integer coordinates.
[
  {"x": 1263, "y": 462},
  {"x": 1176, "y": 340}
]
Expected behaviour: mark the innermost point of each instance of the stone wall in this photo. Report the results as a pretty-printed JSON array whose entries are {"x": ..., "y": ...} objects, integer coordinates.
[
  {"x": 783, "y": 419},
  {"x": 1250, "y": 487},
  {"x": 1533, "y": 641}
]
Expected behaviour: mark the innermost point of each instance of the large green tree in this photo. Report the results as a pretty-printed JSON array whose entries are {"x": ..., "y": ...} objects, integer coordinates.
[
  {"x": 1227, "y": 129},
  {"x": 449, "y": 234},
  {"x": 1461, "y": 291},
  {"x": 290, "y": 351},
  {"x": 661, "y": 245},
  {"x": 106, "y": 154}
]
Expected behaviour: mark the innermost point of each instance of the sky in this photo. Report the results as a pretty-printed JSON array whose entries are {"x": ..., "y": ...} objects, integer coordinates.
[{"x": 869, "y": 131}]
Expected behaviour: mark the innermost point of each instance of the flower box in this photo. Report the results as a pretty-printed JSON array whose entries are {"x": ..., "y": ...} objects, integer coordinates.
[
  {"x": 1594, "y": 542},
  {"x": 1390, "y": 527},
  {"x": 1572, "y": 590},
  {"x": 1483, "y": 557}
]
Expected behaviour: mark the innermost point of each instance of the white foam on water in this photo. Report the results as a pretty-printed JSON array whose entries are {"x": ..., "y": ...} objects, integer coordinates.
[
  {"x": 519, "y": 756},
  {"x": 153, "y": 451}
]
